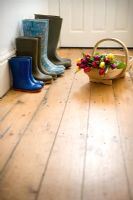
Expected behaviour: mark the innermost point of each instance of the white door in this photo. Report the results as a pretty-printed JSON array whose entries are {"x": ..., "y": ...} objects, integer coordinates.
[{"x": 87, "y": 21}]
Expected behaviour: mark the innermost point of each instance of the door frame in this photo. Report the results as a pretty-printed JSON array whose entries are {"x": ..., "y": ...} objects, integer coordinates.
[{"x": 54, "y": 7}]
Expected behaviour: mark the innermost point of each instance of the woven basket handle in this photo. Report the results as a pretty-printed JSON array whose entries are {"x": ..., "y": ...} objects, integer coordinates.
[{"x": 119, "y": 42}]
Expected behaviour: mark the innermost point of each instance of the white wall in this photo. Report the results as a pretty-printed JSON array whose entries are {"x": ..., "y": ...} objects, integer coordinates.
[
  {"x": 54, "y": 7},
  {"x": 11, "y": 14}
]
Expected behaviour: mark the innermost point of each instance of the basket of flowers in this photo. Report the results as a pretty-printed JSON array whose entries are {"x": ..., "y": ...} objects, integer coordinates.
[{"x": 103, "y": 68}]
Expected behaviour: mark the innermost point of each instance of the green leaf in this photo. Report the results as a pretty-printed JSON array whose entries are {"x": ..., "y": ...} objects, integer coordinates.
[
  {"x": 121, "y": 65},
  {"x": 91, "y": 59}
]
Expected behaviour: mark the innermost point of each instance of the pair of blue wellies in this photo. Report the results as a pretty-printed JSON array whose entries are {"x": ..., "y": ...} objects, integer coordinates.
[{"x": 49, "y": 63}]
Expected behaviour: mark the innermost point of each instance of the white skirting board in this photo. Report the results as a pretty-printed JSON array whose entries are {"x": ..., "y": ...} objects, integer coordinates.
[{"x": 5, "y": 75}]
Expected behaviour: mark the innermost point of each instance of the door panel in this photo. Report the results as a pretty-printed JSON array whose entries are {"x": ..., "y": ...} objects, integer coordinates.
[{"x": 87, "y": 21}]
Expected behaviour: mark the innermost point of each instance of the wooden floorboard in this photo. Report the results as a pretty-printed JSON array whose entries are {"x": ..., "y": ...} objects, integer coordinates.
[
  {"x": 63, "y": 178},
  {"x": 15, "y": 123},
  {"x": 123, "y": 91},
  {"x": 36, "y": 144},
  {"x": 73, "y": 140},
  {"x": 10, "y": 101},
  {"x": 104, "y": 169}
]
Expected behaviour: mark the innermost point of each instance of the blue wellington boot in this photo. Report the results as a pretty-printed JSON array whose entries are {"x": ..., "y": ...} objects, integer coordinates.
[
  {"x": 35, "y": 28},
  {"x": 31, "y": 75},
  {"x": 21, "y": 71}
]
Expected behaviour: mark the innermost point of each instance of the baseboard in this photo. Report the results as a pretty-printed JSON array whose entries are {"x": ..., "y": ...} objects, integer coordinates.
[{"x": 5, "y": 77}]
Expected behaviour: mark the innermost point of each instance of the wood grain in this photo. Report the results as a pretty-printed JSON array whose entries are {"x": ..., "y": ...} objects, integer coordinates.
[
  {"x": 104, "y": 175},
  {"x": 31, "y": 156},
  {"x": 63, "y": 178},
  {"x": 71, "y": 141},
  {"x": 123, "y": 91},
  {"x": 15, "y": 123}
]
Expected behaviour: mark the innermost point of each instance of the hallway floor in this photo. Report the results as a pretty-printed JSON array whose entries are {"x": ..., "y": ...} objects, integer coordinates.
[{"x": 71, "y": 141}]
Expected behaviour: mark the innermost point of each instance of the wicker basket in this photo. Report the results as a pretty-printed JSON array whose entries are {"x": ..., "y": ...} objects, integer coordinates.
[{"x": 112, "y": 74}]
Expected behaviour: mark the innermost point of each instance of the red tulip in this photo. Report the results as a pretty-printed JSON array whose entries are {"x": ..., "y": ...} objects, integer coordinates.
[
  {"x": 94, "y": 64},
  {"x": 84, "y": 61},
  {"x": 101, "y": 72},
  {"x": 87, "y": 69},
  {"x": 82, "y": 65},
  {"x": 106, "y": 60}
]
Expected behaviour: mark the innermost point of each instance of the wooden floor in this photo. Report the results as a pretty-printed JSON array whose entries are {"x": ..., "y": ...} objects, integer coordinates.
[{"x": 71, "y": 141}]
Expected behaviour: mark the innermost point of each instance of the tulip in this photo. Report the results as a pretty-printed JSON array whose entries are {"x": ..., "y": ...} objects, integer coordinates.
[
  {"x": 113, "y": 66},
  {"x": 101, "y": 72},
  {"x": 106, "y": 60},
  {"x": 87, "y": 56},
  {"x": 102, "y": 65},
  {"x": 82, "y": 65},
  {"x": 84, "y": 61},
  {"x": 94, "y": 64},
  {"x": 110, "y": 56},
  {"x": 97, "y": 57},
  {"x": 87, "y": 69}
]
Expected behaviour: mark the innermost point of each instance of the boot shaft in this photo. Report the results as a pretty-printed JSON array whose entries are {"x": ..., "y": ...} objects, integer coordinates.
[
  {"x": 20, "y": 67},
  {"x": 28, "y": 46},
  {"x": 55, "y": 23},
  {"x": 35, "y": 28}
]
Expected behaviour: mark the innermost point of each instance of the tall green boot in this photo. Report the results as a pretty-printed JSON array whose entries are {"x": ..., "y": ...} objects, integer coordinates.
[
  {"x": 55, "y": 23},
  {"x": 28, "y": 46}
]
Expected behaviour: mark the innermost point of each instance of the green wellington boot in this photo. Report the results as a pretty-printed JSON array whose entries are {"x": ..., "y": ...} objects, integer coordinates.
[
  {"x": 28, "y": 46},
  {"x": 55, "y": 23}
]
